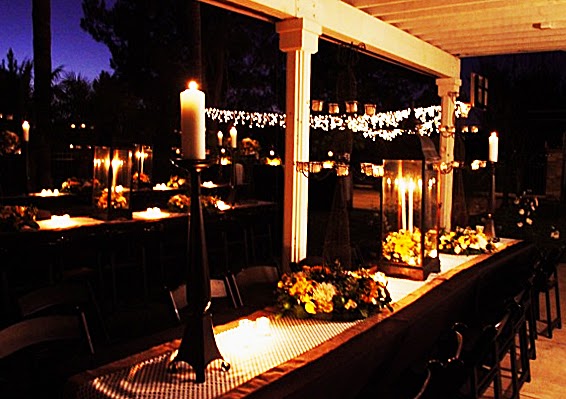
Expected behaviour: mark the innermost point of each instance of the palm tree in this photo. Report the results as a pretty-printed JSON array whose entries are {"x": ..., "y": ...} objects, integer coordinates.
[
  {"x": 41, "y": 154},
  {"x": 15, "y": 84}
]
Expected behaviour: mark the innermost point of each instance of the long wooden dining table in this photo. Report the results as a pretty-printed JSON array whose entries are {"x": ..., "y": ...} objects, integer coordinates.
[
  {"x": 301, "y": 358},
  {"x": 30, "y": 255}
]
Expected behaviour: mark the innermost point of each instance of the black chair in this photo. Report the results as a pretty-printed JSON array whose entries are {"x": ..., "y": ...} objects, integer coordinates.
[
  {"x": 126, "y": 263},
  {"x": 524, "y": 327},
  {"x": 438, "y": 374},
  {"x": 178, "y": 297},
  {"x": 485, "y": 355},
  {"x": 65, "y": 298},
  {"x": 227, "y": 245},
  {"x": 38, "y": 355},
  {"x": 445, "y": 373},
  {"x": 546, "y": 281}
]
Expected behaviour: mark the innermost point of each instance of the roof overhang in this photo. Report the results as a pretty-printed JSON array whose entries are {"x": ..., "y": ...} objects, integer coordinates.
[{"x": 345, "y": 23}]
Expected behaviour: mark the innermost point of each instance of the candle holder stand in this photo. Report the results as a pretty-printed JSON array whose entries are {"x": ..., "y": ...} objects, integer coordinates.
[
  {"x": 233, "y": 195},
  {"x": 198, "y": 347},
  {"x": 27, "y": 187},
  {"x": 489, "y": 228}
]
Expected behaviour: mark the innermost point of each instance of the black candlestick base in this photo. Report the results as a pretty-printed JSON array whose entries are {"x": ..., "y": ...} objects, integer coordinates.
[
  {"x": 233, "y": 195},
  {"x": 198, "y": 346}
]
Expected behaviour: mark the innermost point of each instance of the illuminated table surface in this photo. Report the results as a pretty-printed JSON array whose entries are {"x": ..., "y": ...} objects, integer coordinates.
[
  {"x": 63, "y": 222},
  {"x": 259, "y": 360}
]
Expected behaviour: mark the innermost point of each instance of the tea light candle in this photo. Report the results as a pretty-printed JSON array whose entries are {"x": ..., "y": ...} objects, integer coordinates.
[
  {"x": 245, "y": 326},
  {"x": 262, "y": 326},
  {"x": 493, "y": 146},
  {"x": 193, "y": 122},
  {"x": 222, "y": 206}
]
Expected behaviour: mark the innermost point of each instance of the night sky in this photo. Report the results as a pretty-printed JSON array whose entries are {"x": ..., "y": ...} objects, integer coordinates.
[{"x": 71, "y": 47}]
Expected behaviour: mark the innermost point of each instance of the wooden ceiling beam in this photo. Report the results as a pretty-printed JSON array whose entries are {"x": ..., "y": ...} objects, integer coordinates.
[{"x": 342, "y": 22}]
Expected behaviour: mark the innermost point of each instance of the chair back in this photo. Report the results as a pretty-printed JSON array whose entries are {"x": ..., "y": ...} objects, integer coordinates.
[{"x": 38, "y": 330}]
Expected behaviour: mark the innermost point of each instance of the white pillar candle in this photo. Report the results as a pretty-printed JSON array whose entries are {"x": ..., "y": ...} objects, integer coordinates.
[
  {"x": 410, "y": 207},
  {"x": 25, "y": 128},
  {"x": 403, "y": 205},
  {"x": 193, "y": 122},
  {"x": 220, "y": 137},
  {"x": 493, "y": 146},
  {"x": 234, "y": 137},
  {"x": 116, "y": 163}
]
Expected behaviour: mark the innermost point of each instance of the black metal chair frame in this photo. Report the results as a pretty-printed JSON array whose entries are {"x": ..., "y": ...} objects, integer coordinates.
[{"x": 546, "y": 281}]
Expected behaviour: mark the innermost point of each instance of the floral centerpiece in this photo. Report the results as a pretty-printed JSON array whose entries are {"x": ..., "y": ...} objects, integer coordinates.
[
  {"x": 141, "y": 178},
  {"x": 466, "y": 241},
  {"x": 177, "y": 182},
  {"x": 18, "y": 218},
  {"x": 182, "y": 203},
  {"x": 117, "y": 199},
  {"x": 332, "y": 293},
  {"x": 250, "y": 146},
  {"x": 403, "y": 246},
  {"x": 74, "y": 185},
  {"x": 9, "y": 143}
]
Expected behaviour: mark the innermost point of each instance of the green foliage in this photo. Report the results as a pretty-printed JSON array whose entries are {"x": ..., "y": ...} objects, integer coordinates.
[{"x": 528, "y": 219}]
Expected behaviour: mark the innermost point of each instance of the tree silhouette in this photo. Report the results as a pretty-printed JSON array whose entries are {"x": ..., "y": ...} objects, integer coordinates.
[
  {"x": 40, "y": 148},
  {"x": 15, "y": 84}
]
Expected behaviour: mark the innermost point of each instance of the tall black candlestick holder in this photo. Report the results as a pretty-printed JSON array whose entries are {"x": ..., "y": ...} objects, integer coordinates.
[
  {"x": 233, "y": 195},
  {"x": 27, "y": 168},
  {"x": 490, "y": 223},
  {"x": 198, "y": 347}
]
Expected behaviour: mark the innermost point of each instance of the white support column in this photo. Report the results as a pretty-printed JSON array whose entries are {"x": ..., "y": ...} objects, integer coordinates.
[
  {"x": 299, "y": 39},
  {"x": 448, "y": 90}
]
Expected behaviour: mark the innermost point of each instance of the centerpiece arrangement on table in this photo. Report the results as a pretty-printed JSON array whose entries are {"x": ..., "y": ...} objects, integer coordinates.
[
  {"x": 409, "y": 208},
  {"x": 18, "y": 218},
  {"x": 182, "y": 203},
  {"x": 113, "y": 169},
  {"x": 332, "y": 293},
  {"x": 467, "y": 241}
]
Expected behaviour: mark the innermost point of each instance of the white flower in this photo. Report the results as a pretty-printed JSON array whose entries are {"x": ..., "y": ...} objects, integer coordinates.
[
  {"x": 521, "y": 211},
  {"x": 519, "y": 224},
  {"x": 529, "y": 220},
  {"x": 555, "y": 234},
  {"x": 323, "y": 292}
]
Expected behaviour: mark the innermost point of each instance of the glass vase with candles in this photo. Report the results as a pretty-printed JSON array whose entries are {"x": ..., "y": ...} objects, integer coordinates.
[
  {"x": 142, "y": 167},
  {"x": 410, "y": 211},
  {"x": 112, "y": 182}
]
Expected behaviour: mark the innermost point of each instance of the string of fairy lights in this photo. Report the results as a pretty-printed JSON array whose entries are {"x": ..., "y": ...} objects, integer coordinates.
[{"x": 384, "y": 125}]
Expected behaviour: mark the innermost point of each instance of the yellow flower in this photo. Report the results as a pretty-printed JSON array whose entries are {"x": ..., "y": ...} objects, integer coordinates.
[
  {"x": 350, "y": 305},
  {"x": 310, "y": 308}
]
